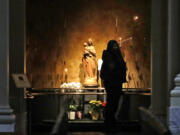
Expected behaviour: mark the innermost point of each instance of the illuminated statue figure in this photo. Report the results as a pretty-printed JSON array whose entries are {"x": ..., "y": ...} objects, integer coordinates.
[{"x": 89, "y": 64}]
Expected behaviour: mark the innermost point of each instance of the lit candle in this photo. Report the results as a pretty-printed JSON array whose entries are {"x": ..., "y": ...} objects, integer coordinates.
[
  {"x": 120, "y": 41},
  {"x": 100, "y": 61},
  {"x": 66, "y": 73}
]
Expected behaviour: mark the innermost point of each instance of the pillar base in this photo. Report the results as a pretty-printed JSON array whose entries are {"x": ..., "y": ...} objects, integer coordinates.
[
  {"x": 174, "y": 109},
  {"x": 174, "y": 120},
  {"x": 7, "y": 120}
]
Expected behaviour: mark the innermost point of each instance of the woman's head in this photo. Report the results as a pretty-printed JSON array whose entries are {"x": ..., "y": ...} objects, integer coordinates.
[{"x": 113, "y": 46}]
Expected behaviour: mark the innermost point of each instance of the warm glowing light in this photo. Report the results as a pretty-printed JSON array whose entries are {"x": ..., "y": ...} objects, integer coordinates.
[
  {"x": 120, "y": 41},
  {"x": 66, "y": 70},
  {"x": 100, "y": 61},
  {"x": 135, "y": 18},
  {"x": 66, "y": 75}
]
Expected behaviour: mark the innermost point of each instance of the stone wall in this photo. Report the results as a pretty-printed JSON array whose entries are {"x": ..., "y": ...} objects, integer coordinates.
[{"x": 57, "y": 29}]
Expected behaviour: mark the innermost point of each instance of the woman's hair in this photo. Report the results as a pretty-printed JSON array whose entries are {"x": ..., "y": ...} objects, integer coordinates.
[
  {"x": 110, "y": 48},
  {"x": 112, "y": 43}
]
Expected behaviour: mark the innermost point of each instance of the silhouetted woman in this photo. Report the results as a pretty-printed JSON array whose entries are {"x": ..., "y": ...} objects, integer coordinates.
[{"x": 113, "y": 74}]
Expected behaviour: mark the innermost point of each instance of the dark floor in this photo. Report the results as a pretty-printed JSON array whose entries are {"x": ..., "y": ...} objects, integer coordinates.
[
  {"x": 90, "y": 129},
  {"x": 91, "y": 133},
  {"x": 100, "y": 133}
]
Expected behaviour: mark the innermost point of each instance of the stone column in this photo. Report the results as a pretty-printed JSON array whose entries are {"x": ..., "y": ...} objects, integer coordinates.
[
  {"x": 7, "y": 119},
  {"x": 17, "y": 62},
  {"x": 173, "y": 41},
  {"x": 159, "y": 58},
  {"x": 174, "y": 65}
]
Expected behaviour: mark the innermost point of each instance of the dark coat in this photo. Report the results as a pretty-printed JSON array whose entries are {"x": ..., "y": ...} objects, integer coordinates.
[{"x": 113, "y": 70}]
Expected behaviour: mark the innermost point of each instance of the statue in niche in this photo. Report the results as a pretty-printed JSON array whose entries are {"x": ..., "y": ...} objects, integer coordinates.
[{"x": 89, "y": 64}]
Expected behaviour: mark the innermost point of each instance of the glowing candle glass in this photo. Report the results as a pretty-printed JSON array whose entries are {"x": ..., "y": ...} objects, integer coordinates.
[{"x": 66, "y": 74}]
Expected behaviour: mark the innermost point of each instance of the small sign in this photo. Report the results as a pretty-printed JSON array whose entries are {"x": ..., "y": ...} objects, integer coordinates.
[{"x": 21, "y": 81}]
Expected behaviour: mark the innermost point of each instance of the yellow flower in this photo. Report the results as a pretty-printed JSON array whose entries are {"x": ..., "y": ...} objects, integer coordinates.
[
  {"x": 95, "y": 102},
  {"x": 92, "y": 101}
]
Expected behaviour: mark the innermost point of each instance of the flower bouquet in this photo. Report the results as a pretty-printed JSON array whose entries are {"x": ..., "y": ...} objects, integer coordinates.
[{"x": 96, "y": 107}]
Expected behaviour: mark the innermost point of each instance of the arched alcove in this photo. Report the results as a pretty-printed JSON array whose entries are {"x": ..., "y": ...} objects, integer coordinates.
[{"x": 56, "y": 31}]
